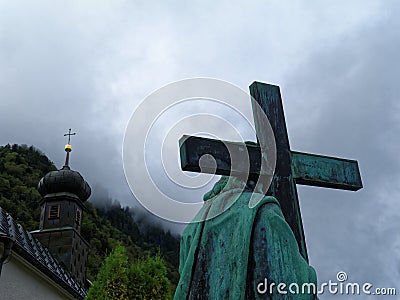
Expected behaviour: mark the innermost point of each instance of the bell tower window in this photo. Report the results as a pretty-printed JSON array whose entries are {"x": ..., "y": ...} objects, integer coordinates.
[{"x": 54, "y": 212}]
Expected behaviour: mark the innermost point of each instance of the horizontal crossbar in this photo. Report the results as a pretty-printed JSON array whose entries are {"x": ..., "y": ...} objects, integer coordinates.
[{"x": 307, "y": 169}]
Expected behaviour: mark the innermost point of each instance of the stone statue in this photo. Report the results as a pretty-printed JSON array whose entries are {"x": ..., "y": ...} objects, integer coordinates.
[{"x": 243, "y": 253}]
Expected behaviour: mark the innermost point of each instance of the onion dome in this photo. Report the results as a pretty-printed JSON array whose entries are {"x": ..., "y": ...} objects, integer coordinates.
[{"x": 64, "y": 181}]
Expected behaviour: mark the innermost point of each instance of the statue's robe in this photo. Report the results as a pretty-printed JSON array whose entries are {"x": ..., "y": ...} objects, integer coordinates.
[{"x": 230, "y": 255}]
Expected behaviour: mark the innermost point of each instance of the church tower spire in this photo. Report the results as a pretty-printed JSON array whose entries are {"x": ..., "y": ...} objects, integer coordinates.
[
  {"x": 68, "y": 147},
  {"x": 63, "y": 195}
]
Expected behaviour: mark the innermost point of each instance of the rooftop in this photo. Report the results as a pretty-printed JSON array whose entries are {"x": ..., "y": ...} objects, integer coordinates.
[{"x": 32, "y": 250}]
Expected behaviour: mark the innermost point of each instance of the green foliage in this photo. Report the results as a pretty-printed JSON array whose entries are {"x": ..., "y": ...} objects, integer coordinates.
[
  {"x": 151, "y": 239},
  {"x": 144, "y": 279},
  {"x": 112, "y": 280},
  {"x": 103, "y": 237},
  {"x": 148, "y": 279},
  {"x": 21, "y": 168}
]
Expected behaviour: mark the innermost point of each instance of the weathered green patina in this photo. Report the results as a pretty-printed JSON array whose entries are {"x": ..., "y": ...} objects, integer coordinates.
[
  {"x": 228, "y": 256},
  {"x": 291, "y": 167},
  {"x": 307, "y": 169},
  {"x": 233, "y": 254},
  {"x": 325, "y": 171}
]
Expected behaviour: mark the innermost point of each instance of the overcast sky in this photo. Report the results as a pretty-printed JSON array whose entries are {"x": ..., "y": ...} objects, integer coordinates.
[{"x": 88, "y": 64}]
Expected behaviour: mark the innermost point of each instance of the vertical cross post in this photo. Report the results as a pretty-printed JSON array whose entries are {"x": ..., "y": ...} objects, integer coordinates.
[
  {"x": 282, "y": 186},
  {"x": 69, "y": 135}
]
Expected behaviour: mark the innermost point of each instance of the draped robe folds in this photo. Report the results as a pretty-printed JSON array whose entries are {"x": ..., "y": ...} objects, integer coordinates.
[{"x": 241, "y": 252}]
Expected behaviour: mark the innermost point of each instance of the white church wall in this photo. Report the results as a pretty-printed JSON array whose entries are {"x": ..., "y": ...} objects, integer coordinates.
[{"x": 19, "y": 280}]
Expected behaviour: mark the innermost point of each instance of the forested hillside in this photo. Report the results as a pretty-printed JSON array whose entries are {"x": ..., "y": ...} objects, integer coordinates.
[{"x": 21, "y": 168}]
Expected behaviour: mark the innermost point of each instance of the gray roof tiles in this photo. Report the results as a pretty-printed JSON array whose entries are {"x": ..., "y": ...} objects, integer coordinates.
[{"x": 33, "y": 251}]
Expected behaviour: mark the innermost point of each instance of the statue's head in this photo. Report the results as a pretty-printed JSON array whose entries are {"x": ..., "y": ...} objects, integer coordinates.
[{"x": 243, "y": 183}]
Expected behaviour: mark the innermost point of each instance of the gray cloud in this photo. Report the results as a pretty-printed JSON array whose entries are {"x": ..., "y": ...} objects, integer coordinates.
[
  {"x": 348, "y": 96},
  {"x": 88, "y": 65}
]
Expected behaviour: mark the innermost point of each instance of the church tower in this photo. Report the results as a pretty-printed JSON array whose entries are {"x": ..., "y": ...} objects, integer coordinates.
[{"x": 63, "y": 195}]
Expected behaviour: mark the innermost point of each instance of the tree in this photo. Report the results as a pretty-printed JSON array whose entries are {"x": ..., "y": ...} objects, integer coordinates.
[
  {"x": 145, "y": 279},
  {"x": 112, "y": 280},
  {"x": 148, "y": 279}
]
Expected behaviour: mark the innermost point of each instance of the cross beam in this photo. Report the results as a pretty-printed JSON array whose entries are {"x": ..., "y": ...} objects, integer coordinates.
[
  {"x": 291, "y": 167},
  {"x": 307, "y": 169}
]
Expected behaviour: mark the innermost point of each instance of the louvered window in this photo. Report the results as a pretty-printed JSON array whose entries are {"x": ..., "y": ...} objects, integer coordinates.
[{"x": 54, "y": 212}]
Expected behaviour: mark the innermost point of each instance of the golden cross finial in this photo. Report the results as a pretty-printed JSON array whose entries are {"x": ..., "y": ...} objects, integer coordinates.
[{"x": 68, "y": 147}]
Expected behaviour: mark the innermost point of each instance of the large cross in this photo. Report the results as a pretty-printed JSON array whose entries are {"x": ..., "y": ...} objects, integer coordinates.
[{"x": 291, "y": 167}]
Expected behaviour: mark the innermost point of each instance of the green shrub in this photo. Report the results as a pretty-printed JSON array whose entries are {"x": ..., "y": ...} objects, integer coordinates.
[{"x": 145, "y": 279}]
